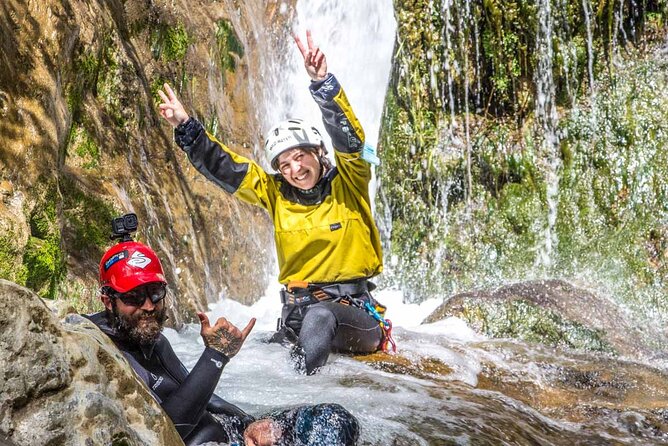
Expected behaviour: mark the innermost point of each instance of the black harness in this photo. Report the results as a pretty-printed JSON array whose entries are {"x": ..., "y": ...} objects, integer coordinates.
[
  {"x": 297, "y": 295},
  {"x": 302, "y": 293}
]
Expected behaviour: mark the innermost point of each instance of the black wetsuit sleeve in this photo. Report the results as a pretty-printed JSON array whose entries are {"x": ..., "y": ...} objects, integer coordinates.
[
  {"x": 220, "y": 406},
  {"x": 186, "y": 405},
  {"x": 211, "y": 158},
  {"x": 180, "y": 372},
  {"x": 337, "y": 115}
]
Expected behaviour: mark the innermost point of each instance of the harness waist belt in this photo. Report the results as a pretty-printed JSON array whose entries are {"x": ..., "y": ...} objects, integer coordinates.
[{"x": 304, "y": 293}]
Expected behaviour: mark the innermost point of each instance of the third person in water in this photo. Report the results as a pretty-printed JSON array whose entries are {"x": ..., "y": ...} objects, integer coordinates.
[{"x": 327, "y": 242}]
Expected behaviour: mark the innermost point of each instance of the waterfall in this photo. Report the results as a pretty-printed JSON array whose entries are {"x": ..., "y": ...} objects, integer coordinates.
[
  {"x": 357, "y": 39},
  {"x": 447, "y": 385},
  {"x": 547, "y": 119},
  {"x": 586, "y": 7}
]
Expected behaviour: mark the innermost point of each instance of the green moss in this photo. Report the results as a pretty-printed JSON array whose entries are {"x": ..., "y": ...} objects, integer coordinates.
[
  {"x": 81, "y": 299},
  {"x": 456, "y": 222},
  {"x": 229, "y": 46},
  {"x": 84, "y": 146},
  {"x": 169, "y": 43},
  {"x": 110, "y": 88},
  {"x": 43, "y": 220},
  {"x": 10, "y": 268},
  {"x": 97, "y": 74},
  {"x": 157, "y": 84},
  {"x": 86, "y": 67},
  {"x": 211, "y": 125},
  {"x": 520, "y": 207},
  {"x": 519, "y": 319},
  {"x": 43, "y": 260},
  {"x": 87, "y": 218}
]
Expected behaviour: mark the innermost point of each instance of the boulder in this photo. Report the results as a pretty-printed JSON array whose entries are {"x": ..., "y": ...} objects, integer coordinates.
[
  {"x": 67, "y": 384},
  {"x": 550, "y": 312}
]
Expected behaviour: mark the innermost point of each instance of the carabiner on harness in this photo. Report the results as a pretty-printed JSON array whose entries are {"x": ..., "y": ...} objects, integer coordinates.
[{"x": 387, "y": 343}]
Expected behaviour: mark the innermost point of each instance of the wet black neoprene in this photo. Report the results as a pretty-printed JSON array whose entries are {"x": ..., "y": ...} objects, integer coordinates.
[
  {"x": 330, "y": 326},
  {"x": 187, "y": 397}
]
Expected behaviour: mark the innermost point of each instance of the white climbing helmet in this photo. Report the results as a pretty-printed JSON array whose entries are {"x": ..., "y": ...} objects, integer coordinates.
[{"x": 290, "y": 134}]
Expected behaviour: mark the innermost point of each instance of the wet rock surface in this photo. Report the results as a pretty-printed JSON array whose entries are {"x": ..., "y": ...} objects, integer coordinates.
[
  {"x": 83, "y": 142},
  {"x": 67, "y": 384},
  {"x": 550, "y": 312},
  {"x": 576, "y": 397}
]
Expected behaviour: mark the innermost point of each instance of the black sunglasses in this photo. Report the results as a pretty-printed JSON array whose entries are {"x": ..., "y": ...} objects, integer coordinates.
[{"x": 137, "y": 296}]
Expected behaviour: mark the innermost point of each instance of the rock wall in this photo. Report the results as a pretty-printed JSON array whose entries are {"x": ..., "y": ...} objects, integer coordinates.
[
  {"x": 525, "y": 140},
  {"x": 82, "y": 142},
  {"x": 67, "y": 384}
]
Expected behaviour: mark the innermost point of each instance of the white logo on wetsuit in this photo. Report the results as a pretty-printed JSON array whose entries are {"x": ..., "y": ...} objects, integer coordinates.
[
  {"x": 159, "y": 380},
  {"x": 139, "y": 260},
  {"x": 219, "y": 364}
]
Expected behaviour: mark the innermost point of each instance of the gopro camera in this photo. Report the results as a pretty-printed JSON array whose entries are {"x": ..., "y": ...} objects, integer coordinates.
[{"x": 123, "y": 226}]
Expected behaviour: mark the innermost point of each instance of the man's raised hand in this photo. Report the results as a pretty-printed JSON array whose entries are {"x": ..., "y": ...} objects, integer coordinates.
[
  {"x": 224, "y": 336},
  {"x": 171, "y": 108},
  {"x": 314, "y": 59}
]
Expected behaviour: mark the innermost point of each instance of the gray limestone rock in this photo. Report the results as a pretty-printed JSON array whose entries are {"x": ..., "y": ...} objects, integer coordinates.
[{"x": 67, "y": 384}]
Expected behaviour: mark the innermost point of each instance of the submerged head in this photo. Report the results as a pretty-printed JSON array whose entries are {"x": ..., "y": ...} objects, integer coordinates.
[{"x": 296, "y": 150}]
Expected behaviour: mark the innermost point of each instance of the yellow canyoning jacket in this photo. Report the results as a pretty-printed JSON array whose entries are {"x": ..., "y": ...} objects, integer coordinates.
[{"x": 333, "y": 240}]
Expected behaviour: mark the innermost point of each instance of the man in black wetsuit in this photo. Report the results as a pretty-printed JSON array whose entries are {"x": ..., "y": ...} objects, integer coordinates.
[{"x": 133, "y": 288}]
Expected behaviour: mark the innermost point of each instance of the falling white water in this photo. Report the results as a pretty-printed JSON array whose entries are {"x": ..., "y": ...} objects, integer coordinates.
[
  {"x": 261, "y": 378},
  {"x": 401, "y": 408},
  {"x": 393, "y": 408},
  {"x": 446, "y": 64},
  {"x": 590, "y": 47},
  {"x": 467, "y": 83},
  {"x": 357, "y": 39},
  {"x": 547, "y": 118}
]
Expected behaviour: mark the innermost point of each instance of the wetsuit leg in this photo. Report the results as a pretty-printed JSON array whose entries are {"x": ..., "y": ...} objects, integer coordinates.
[
  {"x": 218, "y": 428},
  {"x": 291, "y": 317},
  {"x": 331, "y": 326}
]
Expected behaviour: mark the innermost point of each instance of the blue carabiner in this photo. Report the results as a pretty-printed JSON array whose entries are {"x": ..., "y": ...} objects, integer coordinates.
[{"x": 374, "y": 313}]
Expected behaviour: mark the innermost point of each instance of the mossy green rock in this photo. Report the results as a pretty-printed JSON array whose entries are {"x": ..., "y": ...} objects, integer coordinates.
[
  {"x": 550, "y": 312},
  {"x": 474, "y": 190}
]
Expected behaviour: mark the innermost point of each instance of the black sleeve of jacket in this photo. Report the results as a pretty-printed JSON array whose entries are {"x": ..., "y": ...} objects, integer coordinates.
[
  {"x": 186, "y": 406},
  {"x": 336, "y": 120},
  {"x": 209, "y": 157},
  {"x": 180, "y": 372}
]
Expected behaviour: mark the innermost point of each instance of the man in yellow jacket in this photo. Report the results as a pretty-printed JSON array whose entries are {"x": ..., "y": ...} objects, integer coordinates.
[{"x": 327, "y": 243}]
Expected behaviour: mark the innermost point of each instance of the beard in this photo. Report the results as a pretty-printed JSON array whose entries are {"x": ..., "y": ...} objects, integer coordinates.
[{"x": 142, "y": 327}]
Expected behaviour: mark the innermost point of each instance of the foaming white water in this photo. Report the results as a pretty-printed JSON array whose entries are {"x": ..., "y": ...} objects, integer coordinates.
[
  {"x": 262, "y": 378},
  {"x": 435, "y": 391}
]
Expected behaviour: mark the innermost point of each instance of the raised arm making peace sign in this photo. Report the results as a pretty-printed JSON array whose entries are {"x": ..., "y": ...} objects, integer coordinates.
[{"x": 314, "y": 59}]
